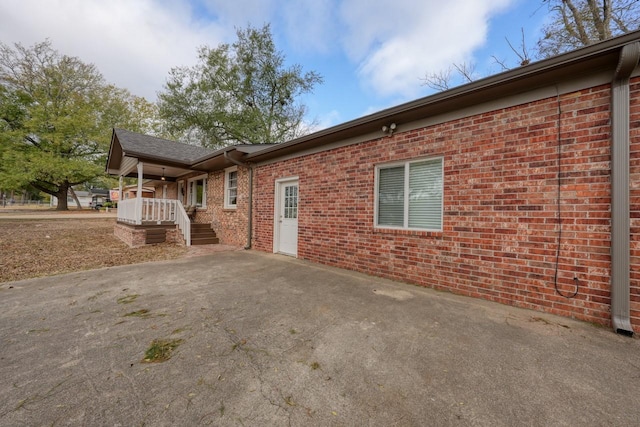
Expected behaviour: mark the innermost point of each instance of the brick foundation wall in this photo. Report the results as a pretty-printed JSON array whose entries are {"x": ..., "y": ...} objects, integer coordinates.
[
  {"x": 130, "y": 235},
  {"x": 136, "y": 237},
  {"x": 500, "y": 225},
  {"x": 174, "y": 235}
]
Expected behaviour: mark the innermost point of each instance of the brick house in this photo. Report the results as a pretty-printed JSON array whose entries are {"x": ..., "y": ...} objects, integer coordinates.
[
  {"x": 521, "y": 188},
  {"x": 197, "y": 190}
]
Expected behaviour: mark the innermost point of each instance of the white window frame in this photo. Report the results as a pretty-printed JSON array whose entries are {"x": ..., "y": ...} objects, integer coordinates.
[
  {"x": 191, "y": 196},
  {"x": 227, "y": 198},
  {"x": 407, "y": 194},
  {"x": 181, "y": 194}
]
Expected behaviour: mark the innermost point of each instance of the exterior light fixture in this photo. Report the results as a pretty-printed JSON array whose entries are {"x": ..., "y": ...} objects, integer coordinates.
[
  {"x": 389, "y": 129},
  {"x": 163, "y": 178}
]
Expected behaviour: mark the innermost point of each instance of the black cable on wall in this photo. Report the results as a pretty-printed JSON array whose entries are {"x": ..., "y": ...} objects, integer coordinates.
[{"x": 559, "y": 204}]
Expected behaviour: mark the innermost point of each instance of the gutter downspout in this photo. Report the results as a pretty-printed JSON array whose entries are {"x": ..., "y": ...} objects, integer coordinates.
[
  {"x": 250, "y": 213},
  {"x": 620, "y": 210}
]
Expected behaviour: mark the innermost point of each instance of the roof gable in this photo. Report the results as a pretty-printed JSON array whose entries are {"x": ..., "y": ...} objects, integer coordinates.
[
  {"x": 138, "y": 145},
  {"x": 177, "y": 157}
]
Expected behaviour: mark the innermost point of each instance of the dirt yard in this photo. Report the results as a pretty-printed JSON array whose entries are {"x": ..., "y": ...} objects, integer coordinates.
[{"x": 33, "y": 248}]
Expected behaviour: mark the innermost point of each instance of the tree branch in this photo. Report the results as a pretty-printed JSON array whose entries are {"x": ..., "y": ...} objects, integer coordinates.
[
  {"x": 438, "y": 81},
  {"x": 577, "y": 20},
  {"x": 44, "y": 189}
]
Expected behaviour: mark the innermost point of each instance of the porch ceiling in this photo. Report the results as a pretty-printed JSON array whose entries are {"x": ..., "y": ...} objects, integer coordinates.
[{"x": 156, "y": 171}]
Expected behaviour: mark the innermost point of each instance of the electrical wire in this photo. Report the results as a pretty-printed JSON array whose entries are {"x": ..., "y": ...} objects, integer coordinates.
[{"x": 559, "y": 204}]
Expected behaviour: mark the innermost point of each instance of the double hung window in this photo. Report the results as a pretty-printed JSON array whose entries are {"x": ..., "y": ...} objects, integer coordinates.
[{"x": 231, "y": 188}]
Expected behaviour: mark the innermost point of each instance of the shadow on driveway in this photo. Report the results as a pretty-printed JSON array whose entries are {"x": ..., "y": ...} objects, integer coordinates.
[{"x": 267, "y": 340}]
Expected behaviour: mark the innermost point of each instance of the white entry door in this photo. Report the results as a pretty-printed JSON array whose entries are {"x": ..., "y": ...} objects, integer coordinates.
[{"x": 287, "y": 218}]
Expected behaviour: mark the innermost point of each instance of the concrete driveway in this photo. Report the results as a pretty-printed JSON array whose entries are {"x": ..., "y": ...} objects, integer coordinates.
[{"x": 267, "y": 340}]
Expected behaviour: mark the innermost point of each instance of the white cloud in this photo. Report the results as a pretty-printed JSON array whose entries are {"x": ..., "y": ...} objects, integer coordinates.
[
  {"x": 133, "y": 43},
  {"x": 390, "y": 43},
  {"x": 398, "y": 41}
]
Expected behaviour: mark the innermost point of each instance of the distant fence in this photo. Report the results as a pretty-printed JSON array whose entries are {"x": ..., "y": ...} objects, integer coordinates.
[{"x": 5, "y": 203}]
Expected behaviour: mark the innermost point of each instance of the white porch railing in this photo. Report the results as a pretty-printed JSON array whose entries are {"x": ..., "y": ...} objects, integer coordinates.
[
  {"x": 158, "y": 210},
  {"x": 183, "y": 222},
  {"x": 128, "y": 213},
  {"x": 137, "y": 211}
]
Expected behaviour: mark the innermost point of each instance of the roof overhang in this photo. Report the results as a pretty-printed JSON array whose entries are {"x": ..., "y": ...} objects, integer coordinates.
[
  {"x": 600, "y": 58},
  {"x": 123, "y": 161},
  {"x": 592, "y": 59},
  {"x": 227, "y": 157}
]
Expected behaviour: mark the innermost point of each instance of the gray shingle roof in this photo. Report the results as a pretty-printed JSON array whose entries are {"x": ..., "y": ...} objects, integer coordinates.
[{"x": 136, "y": 144}]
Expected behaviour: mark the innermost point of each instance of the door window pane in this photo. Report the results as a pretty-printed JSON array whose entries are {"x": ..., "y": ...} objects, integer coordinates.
[{"x": 291, "y": 202}]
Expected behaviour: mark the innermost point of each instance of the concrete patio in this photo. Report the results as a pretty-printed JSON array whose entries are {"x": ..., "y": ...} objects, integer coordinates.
[{"x": 263, "y": 339}]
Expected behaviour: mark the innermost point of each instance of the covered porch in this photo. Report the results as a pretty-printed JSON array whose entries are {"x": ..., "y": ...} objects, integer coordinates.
[{"x": 155, "y": 163}]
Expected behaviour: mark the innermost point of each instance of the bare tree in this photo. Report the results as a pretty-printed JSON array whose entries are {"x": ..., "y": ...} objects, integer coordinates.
[
  {"x": 579, "y": 23},
  {"x": 523, "y": 54},
  {"x": 444, "y": 79},
  {"x": 573, "y": 24},
  {"x": 439, "y": 81}
]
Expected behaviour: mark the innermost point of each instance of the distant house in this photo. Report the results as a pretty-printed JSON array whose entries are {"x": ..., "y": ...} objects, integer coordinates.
[
  {"x": 84, "y": 197},
  {"x": 521, "y": 188},
  {"x": 130, "y": 192}
]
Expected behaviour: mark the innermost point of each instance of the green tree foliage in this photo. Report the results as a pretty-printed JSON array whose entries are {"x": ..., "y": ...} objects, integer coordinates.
[
  {"x": 578, "y": 23},
  {"x": 56, "y": 113},
  {"x": 238, "y": 93}
]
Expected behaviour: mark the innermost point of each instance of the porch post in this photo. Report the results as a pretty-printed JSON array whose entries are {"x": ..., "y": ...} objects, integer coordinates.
[
  {"x": 120, "y": 188},
  {"x": 139, "y": 195}
]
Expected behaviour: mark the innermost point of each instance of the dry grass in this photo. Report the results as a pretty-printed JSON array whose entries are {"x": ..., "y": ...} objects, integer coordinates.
[{"x": 34, "y": 248}]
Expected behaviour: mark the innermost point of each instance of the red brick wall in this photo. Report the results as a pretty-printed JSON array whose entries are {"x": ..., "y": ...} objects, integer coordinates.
[
  {"x": 172, "y": 190},
  {"x": 230, "y": 225},
  {"x": 500, "y": 224}
]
